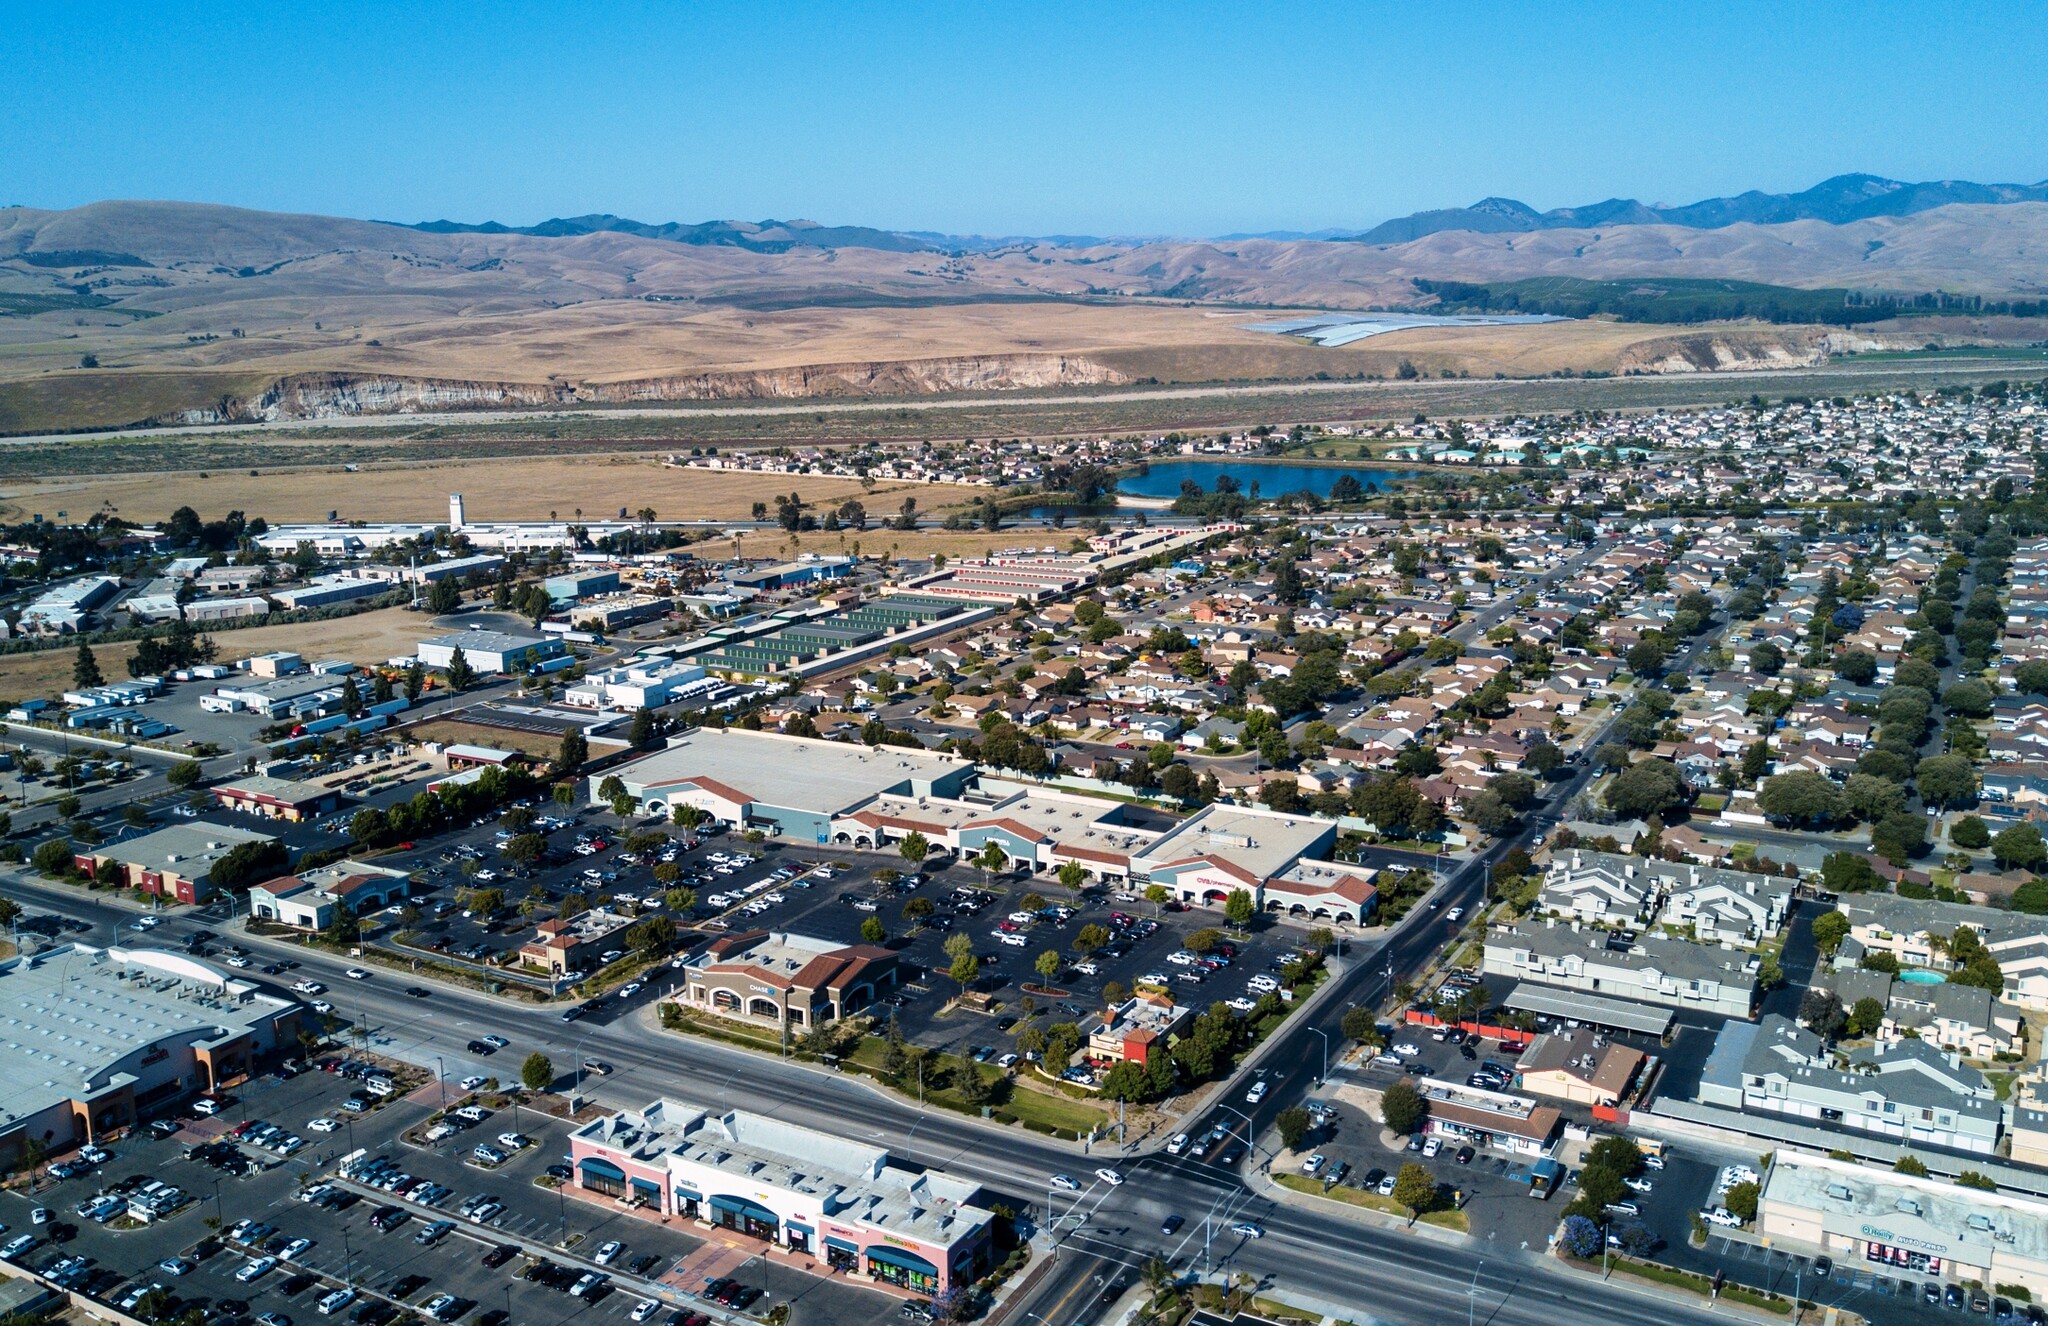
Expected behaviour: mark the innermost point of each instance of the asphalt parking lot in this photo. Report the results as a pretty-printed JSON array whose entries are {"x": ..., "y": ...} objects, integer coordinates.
[{"x": 344, "y": 1247}]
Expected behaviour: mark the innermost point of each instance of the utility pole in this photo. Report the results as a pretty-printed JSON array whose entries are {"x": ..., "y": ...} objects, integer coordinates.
[{"x": 1472, "y": 1294}]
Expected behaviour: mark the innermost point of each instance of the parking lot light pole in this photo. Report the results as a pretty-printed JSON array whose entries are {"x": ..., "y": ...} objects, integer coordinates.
[
  {"x": 441, "y": 1077},
  {"x": 348, "y": 1263}
]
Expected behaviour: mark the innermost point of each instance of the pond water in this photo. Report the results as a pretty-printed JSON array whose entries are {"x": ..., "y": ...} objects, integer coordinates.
[{"x": 1273, "y": 477}]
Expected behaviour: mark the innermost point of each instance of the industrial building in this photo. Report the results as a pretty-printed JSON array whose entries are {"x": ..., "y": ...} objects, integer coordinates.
[
  {"x": 69, "y": 606},
  {"x": 96, "y": 1039},
  {"x": 580, "y": 585},
  {"x": 326, "y": 591},
  {"x": 806, "y": 571},
  {"x": 646, "y": 683},
  {"x": 847, "y": 1203},
  {"x": 490, "y": 651},
  {"x": 793, "y": 786}
]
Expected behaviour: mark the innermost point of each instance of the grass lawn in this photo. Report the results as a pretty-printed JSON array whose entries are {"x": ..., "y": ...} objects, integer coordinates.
[{"x": 1372, "y": 1201}]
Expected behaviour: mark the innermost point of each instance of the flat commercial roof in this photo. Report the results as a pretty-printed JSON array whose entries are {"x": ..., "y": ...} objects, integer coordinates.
[
  {"x": 1592, "y": 1009},
  {"x": 801, "y": 773},
  {"x": 69, "y": 1015},
  {"x": 1261, "y": 842},
  {"x": 1926, "y": 1214},
  {"x": 188, "y": 849}
]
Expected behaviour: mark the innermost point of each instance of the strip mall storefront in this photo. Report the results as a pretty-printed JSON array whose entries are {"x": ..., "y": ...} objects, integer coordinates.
[{"x": 790, "y": 1220}]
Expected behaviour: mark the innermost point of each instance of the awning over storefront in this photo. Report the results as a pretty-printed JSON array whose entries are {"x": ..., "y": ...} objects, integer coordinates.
[
  {"x": 841, "y": 1244},
  {"x": 602, "y": 1169},
  {"x": 804, "y": 1230},
  {"x": 646, "y": 1185},
  {"x": 688, "y": 1195},
  {"x": 740, "y": 1206},
  {"x": 897, "y": 1257}
]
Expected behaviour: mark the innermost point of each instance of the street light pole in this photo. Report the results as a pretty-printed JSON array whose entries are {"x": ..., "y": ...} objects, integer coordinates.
[
  {"x": 1325, "y": 1076},
  {"x": 1472, "y": 1294}
]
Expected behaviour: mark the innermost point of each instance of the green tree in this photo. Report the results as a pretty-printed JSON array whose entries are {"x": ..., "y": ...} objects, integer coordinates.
[
  {"x": 538, "y": 1072},
  {"x": 183, "y": 774},
  {"x": 1910, "y": 1164},
  {"x": 1239, "y": 909},
  {"x": 1970, "y": 832},
  {"x": 574, "y": 750},
  {"x": 993, "y": 858},
  {"x": 1648, "y": 787},
  {"x": 965, "y": 969},
  {"x": 1071, "y": 875},
  {"x": 55, "y": 858},
  {"x": 1293, "y": 1123},
  {"x": 526, "y": 848},
  {"x": 459, "y": 673},
  {"x": 1402, "y": 1107},
  {"x": 1970, "y": 698},
  {"x": 1049, "y": 964},
  {"x": 1415, "y": 1188},
  {"x": 85, "y": 669},
  {"x": 1741, "y": 1201},
  {"x": 1619, "y": 1154},
  {"x": 1360, "y": 1025},
  {"x": 1090, "y": 938},
  {"x": 249, "y": 863},
  {"x": 652, "y": 936},
  {"x": 1897, "y": 837},
  {"x": 871, "y": 930},
  {"x": 1801, "y": 796},
  {"x": 1829, "y": 930},
  {"x": 914, "y": 848},
  {"x": 443, "y": 597},
  {"x": 1871, "y": 798},
  {"x": 1945, "y": 780},
  {"x": 1866, "y": 1015},
  {"x": 2021, "y": 846},
  {"x": 1858, "y": 667}
]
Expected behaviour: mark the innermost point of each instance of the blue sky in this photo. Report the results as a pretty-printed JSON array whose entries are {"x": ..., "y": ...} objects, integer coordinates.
[{"x": 1187, "y": 119}]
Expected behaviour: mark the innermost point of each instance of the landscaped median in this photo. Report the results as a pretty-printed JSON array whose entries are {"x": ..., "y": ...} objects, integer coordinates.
[
  {"x": 1007, "y": 1100},
  {"x": 1452, "y": 1220},
  {"x": 1689, "y": 1281}
]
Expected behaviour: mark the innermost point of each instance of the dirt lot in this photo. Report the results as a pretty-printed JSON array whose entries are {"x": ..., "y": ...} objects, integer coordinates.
[
  {"x": 565, "y": 488},
  {"x": 369, "y": 637}
]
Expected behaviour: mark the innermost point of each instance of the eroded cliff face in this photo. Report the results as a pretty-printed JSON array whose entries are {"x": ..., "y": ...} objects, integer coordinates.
[
  {"x": 346, "y": 395},
  {"x": 910, "y": 377},
  {"x": 1737, "y": 349}
]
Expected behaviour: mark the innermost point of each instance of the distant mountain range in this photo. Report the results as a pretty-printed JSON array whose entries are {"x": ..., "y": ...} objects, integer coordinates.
[
  {"x": 757, "y": 236},
  {"x": 1836, "y": 201}
]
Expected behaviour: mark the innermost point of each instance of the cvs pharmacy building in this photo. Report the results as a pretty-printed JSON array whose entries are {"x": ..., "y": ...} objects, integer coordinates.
[{"x": 844, "y": 1202}]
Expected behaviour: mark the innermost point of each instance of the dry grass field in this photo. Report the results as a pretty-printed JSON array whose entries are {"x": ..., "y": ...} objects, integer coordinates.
[
  {"x": 369, "y": 637},
  {"x": 561, "y": 488}
]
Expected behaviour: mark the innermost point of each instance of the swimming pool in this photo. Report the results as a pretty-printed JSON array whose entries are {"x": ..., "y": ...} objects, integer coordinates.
[{"x": 1922, "y": 976}]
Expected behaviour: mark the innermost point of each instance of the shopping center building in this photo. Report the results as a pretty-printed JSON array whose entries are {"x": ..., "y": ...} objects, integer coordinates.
[
  {"x": 842, "y": 1201},
  {"x": 1888, "y": 1222},
  {"x": 97, "y": 1039}
]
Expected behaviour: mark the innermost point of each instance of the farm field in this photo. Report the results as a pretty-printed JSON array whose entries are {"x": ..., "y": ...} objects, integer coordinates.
[
  {"x": 369, "y": 637},
  {"x": 565, "y": 488}
]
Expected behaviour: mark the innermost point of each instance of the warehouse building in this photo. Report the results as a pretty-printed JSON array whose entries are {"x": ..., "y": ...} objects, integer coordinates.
[
  {"x": 325, "y": 591},
  {"x": 1890, "y": 1223},
  {"x": 847, "y": 1203},
  {"x": 97, "y": 1039},
  {"x": 790, "y": 574},
  {"x": 792, "y": 786},
  {"x": 277, "y": 798},
  {"x": 173, "y": 863},
  {"x": 580, "y": 585},
  {"x": 490, "y": 651}
]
